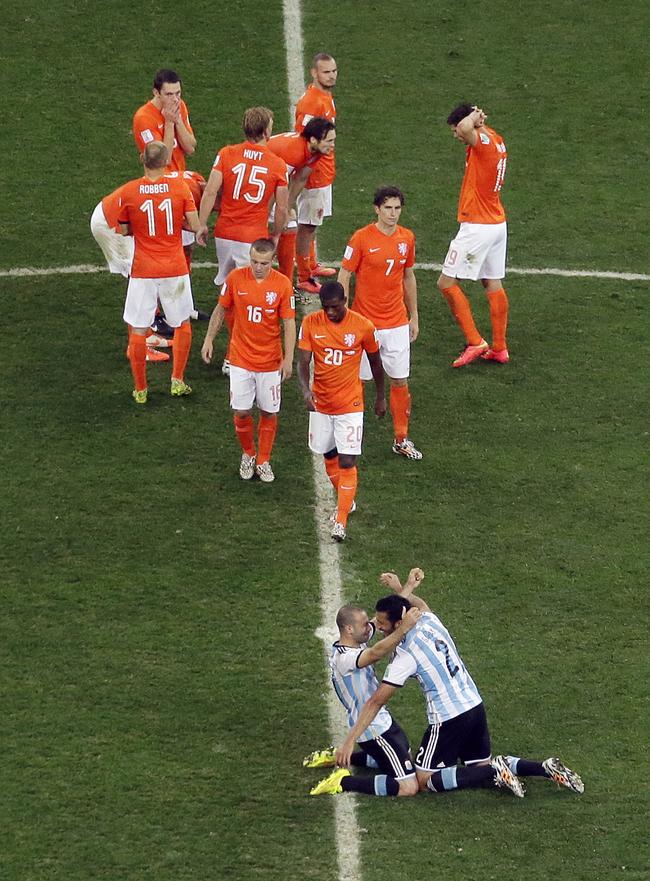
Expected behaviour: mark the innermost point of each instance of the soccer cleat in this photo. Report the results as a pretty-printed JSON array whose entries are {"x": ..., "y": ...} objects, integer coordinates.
[
  {"x": 407, "y": 449},
  {"x": 265, "y": 472},
  {"x": 501, "y": 357},
  {"x": 225, "y": 367},
  {"x": 338, "y": 532},
  {"x": 335, "y": 512},
  {"x": 179, "y": 388},
  {"x": 320, "y": 758},
  {"x": 470, "y": 353},
  {"x": 323, "y": 271},
  {"x": 330, "y": 785},
  {"x": 139, "y": 395},
  {"x": 247, "y": 467},
  {"x": 155, "y": 355},
  {"x": 158, "y": 341},
  {"x": 563, "y": 776},
  {"x": 310, "y": 286},
  {"x": 503, "y": 776}
]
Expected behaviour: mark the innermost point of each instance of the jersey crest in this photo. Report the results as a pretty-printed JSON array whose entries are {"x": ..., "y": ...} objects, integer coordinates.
[
  {"x": 402, "y": 248},
  {"x": 271, "y": 297},
  {"x": 349, "y": 339}
]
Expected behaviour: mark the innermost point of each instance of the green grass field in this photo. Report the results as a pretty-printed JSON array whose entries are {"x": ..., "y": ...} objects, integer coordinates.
[{"x": 161, "y": 680}]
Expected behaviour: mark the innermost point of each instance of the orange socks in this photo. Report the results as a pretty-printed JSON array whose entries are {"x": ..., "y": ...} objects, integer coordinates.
[
  {"x": 266, "y": 429},
  {"x": 347, "y": 490},
  {"x": 400, "y": 410},
  {"x": 244, "y": 430},
  {"x": 181, "y": 349},
  {"x": 462, "y": 312},
  {"x": 332, "y": 469},
  {"x": 304, "y": 267},
  {"x": 498, "y": 301},
  {"x": 313, "y": 259},
  {"x": 286, "y": 253},
  {"x": 138, "y": 358}
]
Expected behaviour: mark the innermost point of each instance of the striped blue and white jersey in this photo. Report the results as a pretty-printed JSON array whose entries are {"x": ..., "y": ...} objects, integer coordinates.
[
  {"x": 354, "y": 685},
  {"x": 428, "y": 653}
]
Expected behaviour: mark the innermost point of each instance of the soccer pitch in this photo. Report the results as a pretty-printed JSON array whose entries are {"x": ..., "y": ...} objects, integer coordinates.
[{"x": 161, "y": 675}]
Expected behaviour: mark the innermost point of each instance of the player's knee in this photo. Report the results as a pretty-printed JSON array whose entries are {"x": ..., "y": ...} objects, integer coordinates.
[
  {"x": 444, "y": 282},
  {"x": 408, "y": 787},
  {"x": 422, "y": 781}
]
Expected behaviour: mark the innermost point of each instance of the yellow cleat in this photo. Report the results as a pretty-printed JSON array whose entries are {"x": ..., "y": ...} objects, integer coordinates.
[
  {"x": 140, "y": 396},
  {"x": 320, "y": 758},
  {"x": 331, "y": 785},
  {"x": 180, "y": 388}
]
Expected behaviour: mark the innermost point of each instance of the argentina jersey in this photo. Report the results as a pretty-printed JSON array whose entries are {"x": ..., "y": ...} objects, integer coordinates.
[
  {"x": 428, "y": 653},
  {"x": 354, "y": 685}
]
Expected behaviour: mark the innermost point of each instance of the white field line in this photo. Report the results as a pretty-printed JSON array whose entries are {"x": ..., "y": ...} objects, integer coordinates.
[
  {"x": 331, "y": 592},
  {"x": 90, "y": 268}
]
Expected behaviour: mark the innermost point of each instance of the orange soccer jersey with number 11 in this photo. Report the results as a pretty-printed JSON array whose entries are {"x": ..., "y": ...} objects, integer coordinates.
[
  {"x": 257, "y": 308},
  {"x": 337, "y": 350}
]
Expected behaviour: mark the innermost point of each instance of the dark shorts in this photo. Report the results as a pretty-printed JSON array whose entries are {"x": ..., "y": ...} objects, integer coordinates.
[
  {"x": 392, "y": 752},
  {"x": 465, "y": 738}
]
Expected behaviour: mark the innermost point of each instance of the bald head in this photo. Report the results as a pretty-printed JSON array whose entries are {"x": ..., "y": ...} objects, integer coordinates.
[{"x": 347, "y": 615}]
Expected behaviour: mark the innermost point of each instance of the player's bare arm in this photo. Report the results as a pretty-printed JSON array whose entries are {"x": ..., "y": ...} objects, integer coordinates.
[
  {"x": 466, "y": 130},
  {"x": 413, "y": 581},
  {"x": 304, "y": 360},
  {"x": 208, "y": 199},
  {"x": 297, "y": 184},
  {"x": 289, "y": 327},
  {"x": 214, "y": 326},
  {"x": 378, "y": 376},
  {"x": 192, "y": 221},
  {"x": 368, "y": 712},
  {"x": 343, "y": 279},
  {"x": 385, "y": 646},
  {"x": 281, "y": 212},
  {"x": 411, "y": 301},
  {"x": 184, "y": 136}
]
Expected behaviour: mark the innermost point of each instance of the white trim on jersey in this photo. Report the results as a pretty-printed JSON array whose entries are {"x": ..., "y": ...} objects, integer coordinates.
[
  {"x": 354, "y": 686},
  {"x": 428, "y": 652}
]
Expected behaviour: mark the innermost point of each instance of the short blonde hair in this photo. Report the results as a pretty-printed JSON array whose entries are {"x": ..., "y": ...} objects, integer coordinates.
[
  {"x": 156, "y": 155},
  {"x": 256, "y": 121}
]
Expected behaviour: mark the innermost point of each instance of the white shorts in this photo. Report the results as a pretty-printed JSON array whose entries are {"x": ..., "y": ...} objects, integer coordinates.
[
  {"x": 478, "y": 251},
  {"x": 117, "y": 249},
  {"x": 343, "y": 433},
  {"x": 188, "y": 237},
  {"x": 231, "y": 255},
  {"x": 313, "y": 205},
  {"x": 395, "y": 352},
  {"x": 248, "y": 387},
  {"x": 142, "y": 295}
]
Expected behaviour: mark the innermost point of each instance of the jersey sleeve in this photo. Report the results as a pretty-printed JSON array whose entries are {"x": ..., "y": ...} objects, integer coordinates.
[
  {"x": 288, "y": 302},
  {"x": 410, "y": 257},
  {"x": 304, "y": 336},
  {"x": 401, "y": 668},
  {"x": 370, "y": 342},
  {"x": 225, "y": 297},
  {"x": 218, "y": 160},
  {"x": 188, "y": 204},
  {"x": 352, "y": 254},
  {"x": 282, "y": 174},
  {"x": 144, "y": 131},
  {"x": 346, "y": 661}
]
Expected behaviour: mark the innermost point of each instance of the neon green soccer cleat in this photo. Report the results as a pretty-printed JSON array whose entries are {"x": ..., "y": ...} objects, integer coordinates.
[
  {"x": 320, "y": 758},
  {"x": 331, "y": 785},
  {"x": 180, "y": 388},
  {"x": 140, "y": 396}
]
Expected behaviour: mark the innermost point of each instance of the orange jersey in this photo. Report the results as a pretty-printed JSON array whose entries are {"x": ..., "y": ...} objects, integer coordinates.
[
  {"x": 111, "y": 206},
  {"x": 149, "y": 125},
  {"x": 379, "y": 261},
  {"x": 316, "y": 102},
  {"x": 251, "y": 175},
  {"x": 294, "y": 150},
  {"x": 156, "y": 211},
  {"x": 485, "y": 169},
  {"x": 257, "y": 310},
  {"x": 337, "y": 350}
]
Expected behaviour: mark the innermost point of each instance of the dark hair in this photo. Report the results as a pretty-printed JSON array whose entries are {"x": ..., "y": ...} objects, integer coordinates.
[
  {"x": 331, "y": 290},
  {"x": 264, "y": 246},
  {"x": 394, "y": 606},
  {"x": 165, "y": 75},
  {"x": 317, "y": 127},
  {"x": 384, "y": 193},
  {"x": 459, "y": 113}
]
